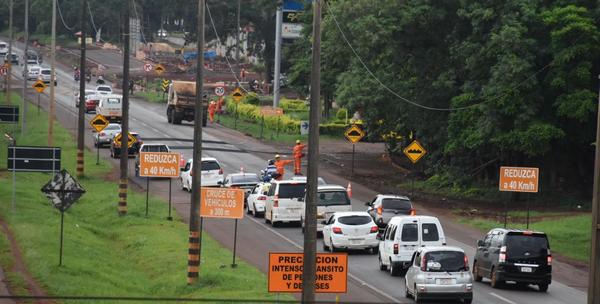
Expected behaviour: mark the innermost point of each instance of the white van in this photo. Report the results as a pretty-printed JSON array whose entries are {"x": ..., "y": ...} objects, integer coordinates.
[
  {"x": 331, "y": 198},
  {"x": 403, "y": 236},
  {"x": 111, "y": 107},
  {"x": 285, "y": 201}
]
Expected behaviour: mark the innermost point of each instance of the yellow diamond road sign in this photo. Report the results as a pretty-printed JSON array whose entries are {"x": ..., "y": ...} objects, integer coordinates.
[
  {"x": 39, "y": 86},
  {"x": 354, "y": 134},
  {"x": 130, "y": 139},
  {"x": 99, "y": 122},
  {"x": 237, "y": 94},
  {"x": 159, "y": 69},
  {"x": 414, "y": 151}
]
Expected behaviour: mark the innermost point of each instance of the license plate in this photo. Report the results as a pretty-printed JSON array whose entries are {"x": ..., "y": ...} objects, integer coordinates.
[
  {"x": 445, "y": 281},
  {"x": 526, "y": 269},
  {"x": 355, "y": 241}
]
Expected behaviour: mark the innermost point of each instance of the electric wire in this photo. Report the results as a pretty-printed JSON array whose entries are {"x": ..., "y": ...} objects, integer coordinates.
[
  {"x": 219, "y": 39},
  {"x": 69, "y": 28},
  {"x": 92, "y": 18},
  {"x": 138, "y": 18},
  {"x": 509, "y": 91}
]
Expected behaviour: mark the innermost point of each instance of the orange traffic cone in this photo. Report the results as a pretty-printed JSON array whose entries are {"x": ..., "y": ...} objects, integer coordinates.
[{"x": 349, "y": 190}]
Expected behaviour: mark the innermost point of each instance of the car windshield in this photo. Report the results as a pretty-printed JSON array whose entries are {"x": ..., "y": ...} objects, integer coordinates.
[
  {"x": 2, "y": 45},
  {"x": 112, "y": 127},
  {"x": 354, "y": 220},
  {"x": 209, "y": 165},
  {"x": 156, "y": 148},
  {"x": 244, "y": 179},
  {"x": 445, "y": 260},
  {"x": 526, "y": 246},
  {"x": 104, "y": 89},
  {"x": 46, "y": 72},
  {"x": 291, "y": 190},
  {"x": 332, "y": 198},
  {"x": 396, "y": 204}
]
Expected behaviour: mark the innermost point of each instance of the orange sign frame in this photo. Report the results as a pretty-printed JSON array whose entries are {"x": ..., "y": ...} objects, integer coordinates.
[
  {"x": 519, "y": 179},
  {"x": 285, "y": 272},
  {"x": 222, "y": 203},
  {"x": 159, "y": 164}
]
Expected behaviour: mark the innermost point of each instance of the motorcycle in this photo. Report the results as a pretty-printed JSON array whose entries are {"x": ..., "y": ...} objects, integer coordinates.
[
  {"x": 76, "y": 76},
  {"x": 88, "y": 78},
  {"x": 270, "y": 172}
]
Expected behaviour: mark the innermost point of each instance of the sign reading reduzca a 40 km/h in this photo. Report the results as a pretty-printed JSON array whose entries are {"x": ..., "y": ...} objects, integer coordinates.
[
  {"x": 222, "y": 203},
  {"x": 285, "y": 272},
  {"x": 519, "y": 179},
  {"x": 159, "y": 164}
]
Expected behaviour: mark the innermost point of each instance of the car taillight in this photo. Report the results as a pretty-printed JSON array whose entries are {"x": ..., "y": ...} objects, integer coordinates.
[
  {"x": 502, "y": 255},
  {"x": 276, "y": 201},
  {"x": 466, "y": 260},
  {"x": 380, "y": 210},
  {"x": 220, "y": 171},
  {"x": 337, "y": 230},
  {"x": 374, "y": 229},
  {"x": 413, "y": 211},
  {"x": 396, "y": 246},
  {"x": 549, "y": 258},
  {"x": 262, "y": 198}
]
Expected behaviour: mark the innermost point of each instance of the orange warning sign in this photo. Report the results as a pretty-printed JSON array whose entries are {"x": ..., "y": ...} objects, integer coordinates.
[
  {"x": 159, "y": 164},
  {"x": 519, "y": 179},
  {"x": 285, "y": 272},
  {"x": 222, "y": 203}
]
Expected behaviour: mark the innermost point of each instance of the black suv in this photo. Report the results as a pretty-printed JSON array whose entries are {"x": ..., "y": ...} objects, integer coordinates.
[{"x": 514, "y": 255}]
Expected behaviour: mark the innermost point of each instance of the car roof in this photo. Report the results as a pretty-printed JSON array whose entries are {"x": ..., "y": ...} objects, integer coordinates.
[
  {"x": 524, "y": 231},
  {"x": 441, "y": 248},
  {"x": 402, "y": 218},
  {"x": 350, "y": 213},
  {"x": 330, "y": 187},
  {"x": 288, "y": 181},
  {"x": 155, "y": 144},
  {"x": 242, "y": 174},
  {"x": 393, "y": 196},
  {"x": 205, "y": 159},
  {"x": 111, "y": 95}
]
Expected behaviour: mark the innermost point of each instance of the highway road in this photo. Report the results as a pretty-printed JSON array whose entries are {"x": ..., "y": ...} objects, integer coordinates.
[{"x": 256, "y": 239}]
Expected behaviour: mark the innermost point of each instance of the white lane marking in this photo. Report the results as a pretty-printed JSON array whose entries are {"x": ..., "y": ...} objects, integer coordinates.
[
  {"x": 363, "y": 283},
  {"x": 502, "y": 298}
]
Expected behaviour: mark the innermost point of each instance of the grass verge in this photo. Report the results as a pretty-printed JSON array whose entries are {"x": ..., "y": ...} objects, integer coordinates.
[
  {"x": 108, "y": 255},
  {"x": 154, "y": 97},
  {"x": 569, "y": 236}
]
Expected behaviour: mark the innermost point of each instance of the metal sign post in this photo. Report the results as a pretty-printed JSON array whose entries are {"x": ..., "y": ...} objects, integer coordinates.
[
  {"x": 518, "y": 179},
  {"x": 233, "y": 264},
  {"x": 158, "y": 164},
  {"x": 354, "y": 134},
  {"x": 99, "y": 123},
  {"x": 170, "y": 218}
]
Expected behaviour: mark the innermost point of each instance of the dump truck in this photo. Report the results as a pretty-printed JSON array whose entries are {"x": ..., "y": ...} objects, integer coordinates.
[{"x": 181, "y": 100}]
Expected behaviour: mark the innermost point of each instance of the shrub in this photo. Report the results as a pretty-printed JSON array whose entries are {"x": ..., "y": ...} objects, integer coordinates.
[
  {"x": 251, "y": 98},
  {"x": 333, "y": 129},
  {"x": 341, "y": 114},
  {"x": 293, "y": 105}
]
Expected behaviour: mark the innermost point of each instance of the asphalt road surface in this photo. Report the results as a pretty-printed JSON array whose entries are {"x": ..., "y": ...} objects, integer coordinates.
[{"x": 366, "y": 283}]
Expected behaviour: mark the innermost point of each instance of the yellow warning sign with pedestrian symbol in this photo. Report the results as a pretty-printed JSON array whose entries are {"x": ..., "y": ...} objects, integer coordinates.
[
  {"x": 159, "y": 69},
  {"x": 130, "y": 139},
  {"x": 39, "y": 86},
  {"x": 414, "y": 151},
  {"x": 99, "y": 122},
  {"x": 354, "y": 134},
  {"x": 237, "y": 94}
]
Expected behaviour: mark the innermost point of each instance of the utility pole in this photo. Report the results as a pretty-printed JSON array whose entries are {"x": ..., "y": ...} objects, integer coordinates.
[
  {"x": 237, "y": 38},
  {"x": 52, "y": 77},
  {"x": 310, "y": 234},
  {"x": 594, "y": 275},
  {"x": 81, "y": 113},
  {"x": 278, "y": 21},
  {"x": 124, "y": 154},
  {"x": 10, "y": 41},
  {"x": 195, "y": 237},
  {"x": 25, "y": 69}
]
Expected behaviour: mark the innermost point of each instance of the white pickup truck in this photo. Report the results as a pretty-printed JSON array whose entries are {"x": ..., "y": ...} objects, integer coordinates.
[{"x": 111, "y": 107}]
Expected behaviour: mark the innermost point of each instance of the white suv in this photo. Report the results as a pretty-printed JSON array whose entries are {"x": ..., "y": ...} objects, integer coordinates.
[
  {"x": 284, "y": 202},
  {"x": 212, "y": 173},
  {"x": 330, "y": 199}
]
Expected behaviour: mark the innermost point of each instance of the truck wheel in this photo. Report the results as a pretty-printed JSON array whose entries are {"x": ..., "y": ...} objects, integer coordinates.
[{"x": 177, "y": 117}]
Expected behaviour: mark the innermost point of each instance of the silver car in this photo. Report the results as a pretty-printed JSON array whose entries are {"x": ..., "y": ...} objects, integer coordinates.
[
  {"x": 440, "y": 272},
  {"x": 106, "y": 135}
]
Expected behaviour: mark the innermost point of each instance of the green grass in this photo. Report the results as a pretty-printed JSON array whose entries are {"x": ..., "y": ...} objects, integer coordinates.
[
  {"x": 155, "y": 97},
  {"x": 569, "y": 236},
  {"x": 108, "y": 255}
]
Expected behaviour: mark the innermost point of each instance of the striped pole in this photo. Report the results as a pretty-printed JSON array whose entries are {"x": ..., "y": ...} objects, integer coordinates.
[
  {"x": 124, "y": 148},
  {"x": 193, "y": 257},
  {"x": 123, "y": 196},
  {"x": 79, "y": 163}
]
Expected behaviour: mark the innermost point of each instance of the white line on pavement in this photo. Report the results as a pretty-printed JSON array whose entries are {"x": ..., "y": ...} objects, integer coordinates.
[
  {"x": 361, "y": 282},
  {"x": 502, "y": 298}
]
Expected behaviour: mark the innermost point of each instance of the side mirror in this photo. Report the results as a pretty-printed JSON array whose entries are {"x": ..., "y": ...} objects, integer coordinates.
[
  {"x": 368, "y": 204},
  {"x": 324, "y": 222},
  {"x": 479, "y": 243}
]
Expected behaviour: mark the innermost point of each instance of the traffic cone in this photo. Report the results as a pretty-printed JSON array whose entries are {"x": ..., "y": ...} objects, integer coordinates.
[{"x": 349, "y": 190}]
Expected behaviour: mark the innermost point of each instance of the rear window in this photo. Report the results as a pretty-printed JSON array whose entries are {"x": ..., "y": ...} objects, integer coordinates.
[
  {"x": 430, "y": 232},
  {"x": 291, "y": 190},
  {"x": 333, "y": 198},
  {"x": 112, "y": 127},
  {"x": 410, "y": 233},
  {"x": 396, "y": 204},
  {"x": 105, "y": 89},
  {"x": 354, "y": 220},
  {"x": 113, "y": 100},
  {"x": 210, "y": 165},
  {"x": 446, "y": 260},
  {"x": 160, "y": 148},
  {"x": 244, "y": 179},
  {"x": 46, "y": 72},
  {"x": 526, "y": 246},
  {"x": 2, "y": 45}
]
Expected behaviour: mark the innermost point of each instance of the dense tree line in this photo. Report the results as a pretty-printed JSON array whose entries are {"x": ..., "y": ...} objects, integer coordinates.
[{"x": 512, "y": 82}]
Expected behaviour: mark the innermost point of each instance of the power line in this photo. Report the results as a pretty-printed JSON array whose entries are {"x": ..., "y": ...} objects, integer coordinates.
[
  {"x": 219, "y": 39},
  {"x": 92, "y": 18},
  {"x": 138, "y": 17},
  {"x": 413, "y": 102},
  {"x": 70, "y": 28}
]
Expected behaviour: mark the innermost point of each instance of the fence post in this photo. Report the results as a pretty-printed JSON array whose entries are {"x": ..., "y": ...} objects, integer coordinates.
[{"x": 278, "y": 120}]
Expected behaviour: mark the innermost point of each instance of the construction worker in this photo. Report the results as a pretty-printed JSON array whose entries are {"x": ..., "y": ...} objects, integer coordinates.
[
  {"x": 298, "y": 154},
  {"x": 280, "y": 164},
  {"x": 212, "y": 107}
]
